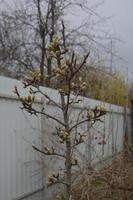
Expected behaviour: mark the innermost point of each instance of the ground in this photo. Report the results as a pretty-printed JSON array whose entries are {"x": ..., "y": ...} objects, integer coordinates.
[{"x": 113, "y": 182}]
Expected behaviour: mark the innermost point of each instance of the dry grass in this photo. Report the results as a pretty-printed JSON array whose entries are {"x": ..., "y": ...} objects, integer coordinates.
[{"x": 114, "y": 181}]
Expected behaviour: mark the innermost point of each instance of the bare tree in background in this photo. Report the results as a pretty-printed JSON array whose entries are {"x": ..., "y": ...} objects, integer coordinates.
[
  {"x": 27, "y": 28},
  {"x": 24, "y": 35}
]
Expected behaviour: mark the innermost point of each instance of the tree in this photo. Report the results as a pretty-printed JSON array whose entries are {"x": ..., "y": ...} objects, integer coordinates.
[
  {"x": 67, "y": 69},
  {"x": 27, "y": 29},
  {"x": 24, "y": 35}
]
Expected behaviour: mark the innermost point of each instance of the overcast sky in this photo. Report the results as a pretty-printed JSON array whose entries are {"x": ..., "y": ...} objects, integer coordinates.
[{"x": 122, "y": 24}]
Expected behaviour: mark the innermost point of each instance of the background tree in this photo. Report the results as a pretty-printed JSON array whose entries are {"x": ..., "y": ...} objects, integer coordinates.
[{"x": 27, "y": 28}]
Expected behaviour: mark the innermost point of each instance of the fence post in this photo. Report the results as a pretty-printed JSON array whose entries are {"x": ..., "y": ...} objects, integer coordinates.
[
  {"x": 132, "y": 122},
  {"x": 131, "y": 115},
  {"x": 126, "y": 135}
]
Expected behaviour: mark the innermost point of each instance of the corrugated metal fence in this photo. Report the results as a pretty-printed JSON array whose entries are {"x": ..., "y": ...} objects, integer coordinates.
[
  {"x": 22, "y": 169},
  {"x": 20, "y": 166}
]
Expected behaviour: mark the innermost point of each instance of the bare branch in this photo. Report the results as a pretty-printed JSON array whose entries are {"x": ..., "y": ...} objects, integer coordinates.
[{"x": 48, "y": 154}]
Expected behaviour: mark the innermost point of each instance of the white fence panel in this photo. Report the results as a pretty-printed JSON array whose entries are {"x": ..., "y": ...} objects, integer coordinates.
[
  {"x": 23, "y": 171},
  {"x": 20, "y": 166}
]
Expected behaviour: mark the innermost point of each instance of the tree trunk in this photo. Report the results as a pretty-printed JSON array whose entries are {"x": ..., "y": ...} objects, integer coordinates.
[
  {"x": 68, "y": 169},
  {"x": 49, "y": 67},
  {"x": 68, "y": 150}
]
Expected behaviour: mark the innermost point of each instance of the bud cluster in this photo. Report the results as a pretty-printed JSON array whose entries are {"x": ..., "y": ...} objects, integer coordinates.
[
  {"x": 33, "y": 77},
  {"x": 54, "y": 48},
  {"x": 79, "y": 86},
  {"x": 90, "y": 115},
  {"x": 49, "y": 151},
  {"x": 79, "y": 139},
  {"x": 26, "y": 101},
  {"x": 63, "y": 135},
  {"x": 60, "y": 72},
  {"x": 95, "y": 113},
  {"x": 100, "y": 110},
  {"x": 76, "y": 87},
  {"x": 52, "y": 179}
]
